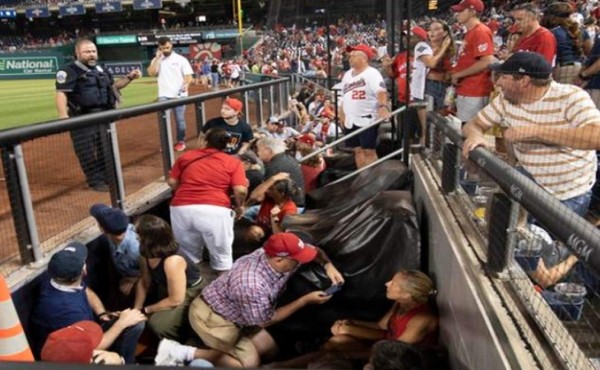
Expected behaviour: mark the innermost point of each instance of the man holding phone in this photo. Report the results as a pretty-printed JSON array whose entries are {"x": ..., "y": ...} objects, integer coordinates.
[
  {"x": 175, "y": 74},
  {"x": 231, "y": 313}
]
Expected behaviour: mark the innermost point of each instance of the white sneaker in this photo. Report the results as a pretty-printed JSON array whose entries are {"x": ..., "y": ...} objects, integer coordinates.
[{"x": 171, "y": 353}]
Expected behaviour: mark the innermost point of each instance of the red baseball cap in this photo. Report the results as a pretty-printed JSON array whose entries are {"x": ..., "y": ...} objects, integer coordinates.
[
  {"x": 364, "y": 48},
  {"x": 290, "y": 246},
  {"x": 74, "y": 344},
  {"x": 234, "y": 104},
  {"x": 420, "y": 32},
  {"x": 476, "y": 5},
  {"x": 307, "y": 139}
]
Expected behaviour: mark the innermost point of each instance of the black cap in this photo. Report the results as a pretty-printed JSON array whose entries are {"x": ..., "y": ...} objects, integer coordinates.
[
  {"x": 112, "y": 220},
  {"x": 524, "y": 63},
  {"x": 67, "y": 264}
]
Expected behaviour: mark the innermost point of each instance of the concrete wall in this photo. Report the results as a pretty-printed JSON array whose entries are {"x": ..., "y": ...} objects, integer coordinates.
[{"x": 474, "y": 337}]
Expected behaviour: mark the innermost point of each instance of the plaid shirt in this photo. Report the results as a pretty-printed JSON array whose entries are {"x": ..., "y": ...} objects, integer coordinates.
[{"x": 247, "y": 295}]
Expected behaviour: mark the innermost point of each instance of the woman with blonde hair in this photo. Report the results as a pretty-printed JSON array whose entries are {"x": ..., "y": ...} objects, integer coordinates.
[
  {"x": 411, "y": 319},
  {"x": 569, "y": 40}
]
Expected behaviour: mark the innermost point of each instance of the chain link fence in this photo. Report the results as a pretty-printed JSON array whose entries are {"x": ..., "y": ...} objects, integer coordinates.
[{"x": 537, "y": 245}]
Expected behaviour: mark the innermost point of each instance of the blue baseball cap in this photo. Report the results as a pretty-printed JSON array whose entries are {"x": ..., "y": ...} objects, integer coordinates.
[
  {"x": 524, "y": 63},
  {"x": 112, "y": 220},
  {"x": 67, "y": 264}
]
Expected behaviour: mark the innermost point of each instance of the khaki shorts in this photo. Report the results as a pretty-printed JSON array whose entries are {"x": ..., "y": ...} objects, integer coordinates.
[{"x": 219, "y": 333}]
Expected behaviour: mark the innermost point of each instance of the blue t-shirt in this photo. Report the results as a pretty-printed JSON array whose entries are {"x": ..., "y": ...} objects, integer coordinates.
[
  {"x": 58, "y": 307},
  {"x": 126, "y": 255},
  {"x": 565, "y": 51},
  {"x": 594, "y": 83}
]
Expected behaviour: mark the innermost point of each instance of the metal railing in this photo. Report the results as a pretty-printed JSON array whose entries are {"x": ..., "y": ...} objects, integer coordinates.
[
  {"x": 491, "y": 201},
  {"x": 44, "y": 202}
]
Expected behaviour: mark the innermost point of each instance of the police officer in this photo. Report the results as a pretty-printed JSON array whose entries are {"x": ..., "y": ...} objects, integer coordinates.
[{"x": 83, "y": 87}]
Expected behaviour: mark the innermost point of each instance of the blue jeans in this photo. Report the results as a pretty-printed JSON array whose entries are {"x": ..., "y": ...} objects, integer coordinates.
[
  {"x": 215, "y": 80},
  {"x": 179, "y": 119},
  {"x": 580, "y": 203},
  {"x": 126, "y": 342}
]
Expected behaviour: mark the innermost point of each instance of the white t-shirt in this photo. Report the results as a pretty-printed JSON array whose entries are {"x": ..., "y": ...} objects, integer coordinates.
[
  {"x": 235, "y": 70},
  {"x": 419, "y": 71},
  {"x": 359, "y": 96},
  {"x": 171, "y": 73}
]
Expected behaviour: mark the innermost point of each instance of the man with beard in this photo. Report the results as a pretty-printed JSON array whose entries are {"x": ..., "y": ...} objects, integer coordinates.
[
  {"x": 175, "y": 74},
  {"x": 231, "y": 121},
  {"x": 83, "y": 87}
]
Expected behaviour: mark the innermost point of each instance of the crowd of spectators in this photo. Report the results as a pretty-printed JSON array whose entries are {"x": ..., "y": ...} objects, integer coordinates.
[{"x": 12, "y": 44}]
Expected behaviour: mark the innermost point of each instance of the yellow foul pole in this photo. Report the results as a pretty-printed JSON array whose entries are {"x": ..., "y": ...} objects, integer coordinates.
[{"x": 240, "y": 28}]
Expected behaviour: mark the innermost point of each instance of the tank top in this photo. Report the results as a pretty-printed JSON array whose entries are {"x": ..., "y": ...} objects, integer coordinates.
[
  {"x": 192, "y": 274},
  {"x": 399, "y": 321}
]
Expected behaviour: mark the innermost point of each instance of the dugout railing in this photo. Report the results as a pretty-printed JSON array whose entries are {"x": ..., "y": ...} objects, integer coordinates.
[
  {"x": 487, "y": 192},
  {"x": 44, "y": 199}
]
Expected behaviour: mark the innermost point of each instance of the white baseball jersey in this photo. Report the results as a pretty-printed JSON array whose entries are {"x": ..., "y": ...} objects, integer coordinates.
[
  {"x": 171, "y": 73},
  {"x": 419, "y": 71},
  {"x": 359, "y": 96}
]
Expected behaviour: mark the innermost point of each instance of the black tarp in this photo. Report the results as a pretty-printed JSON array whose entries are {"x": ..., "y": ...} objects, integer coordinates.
[
  {"x": 368, "y": 243},
  {"x": 391, "y": 174}
]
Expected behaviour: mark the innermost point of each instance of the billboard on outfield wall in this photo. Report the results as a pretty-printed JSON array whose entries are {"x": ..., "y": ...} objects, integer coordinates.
[{"x": 29, "y": 65}]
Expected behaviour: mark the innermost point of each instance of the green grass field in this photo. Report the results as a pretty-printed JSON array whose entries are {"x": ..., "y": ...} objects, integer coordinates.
[{"x": 25, "y": 102}]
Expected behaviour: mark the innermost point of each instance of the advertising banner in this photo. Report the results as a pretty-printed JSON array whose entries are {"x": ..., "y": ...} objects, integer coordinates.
[
  {"x": 39, "y": 12},
  {"x": 116, "y": 40},
  {"x": 185, "y": 38},
  {"x": 8, "y": 13},
  {"x": 109, "y": 7},
  {"x": 122, "y": 68},
  {"x": 221, "y": 34},
  {"x": 11, "y": 65},
  {"x": 147, "y": 4},
  {"x": 74, "y": 9},
  {"x": 207, "y": 50}
]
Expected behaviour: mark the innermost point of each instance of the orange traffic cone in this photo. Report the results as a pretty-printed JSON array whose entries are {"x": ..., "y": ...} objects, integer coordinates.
[{"x": 13, "y": 343}]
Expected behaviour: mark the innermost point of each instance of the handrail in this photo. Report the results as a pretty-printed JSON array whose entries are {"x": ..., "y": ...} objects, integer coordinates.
[
  {"x": 580, "y": 236},
  {"x": 354, "y": 173},
  {"x": 16, "y": 135},
  {"x": 352, "y": 134},
  {"x": 300, "y": 77}
]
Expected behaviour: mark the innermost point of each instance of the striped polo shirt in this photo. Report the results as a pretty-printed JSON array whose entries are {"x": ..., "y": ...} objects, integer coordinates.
[{"x": 562, "y": 171}]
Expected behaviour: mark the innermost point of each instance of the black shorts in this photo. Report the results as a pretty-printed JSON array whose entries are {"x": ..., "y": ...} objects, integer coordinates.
[{"x": 366, "y": 139}]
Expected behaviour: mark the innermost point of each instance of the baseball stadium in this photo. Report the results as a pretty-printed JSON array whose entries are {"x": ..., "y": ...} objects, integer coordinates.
[{"x": 323, "y": 184}]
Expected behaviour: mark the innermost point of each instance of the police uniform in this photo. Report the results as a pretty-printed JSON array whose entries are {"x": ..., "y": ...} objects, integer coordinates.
[{"x": 88, "y": 90}]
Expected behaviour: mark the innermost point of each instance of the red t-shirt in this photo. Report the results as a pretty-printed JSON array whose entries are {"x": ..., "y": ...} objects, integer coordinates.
[
  {"x": 264, "y": 214},
  {"x": 478, "y": 43},
  {"x": 541, "y": 41},
  {"x": 206, "y": 176},
  {"x": 311, "y": 175},
  {"x": 399, "y": 69}
]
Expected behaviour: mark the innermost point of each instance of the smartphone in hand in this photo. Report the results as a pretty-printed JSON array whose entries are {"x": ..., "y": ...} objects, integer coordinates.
[{"x": 333, "y": 289}]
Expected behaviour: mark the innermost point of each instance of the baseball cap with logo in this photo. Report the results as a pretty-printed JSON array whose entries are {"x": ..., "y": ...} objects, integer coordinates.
[
  {"x": 364, "y": 48},
  {"x": 234, "y": 104},
  {"x": 74, "y": 344},
  {"x": 290, "y": 246},
  {"x": 112, "y": 220},
  {"x": 67, "y": 264},
  {"x": 476, "y": 5},
  {"x": 524, "y": 63}
]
